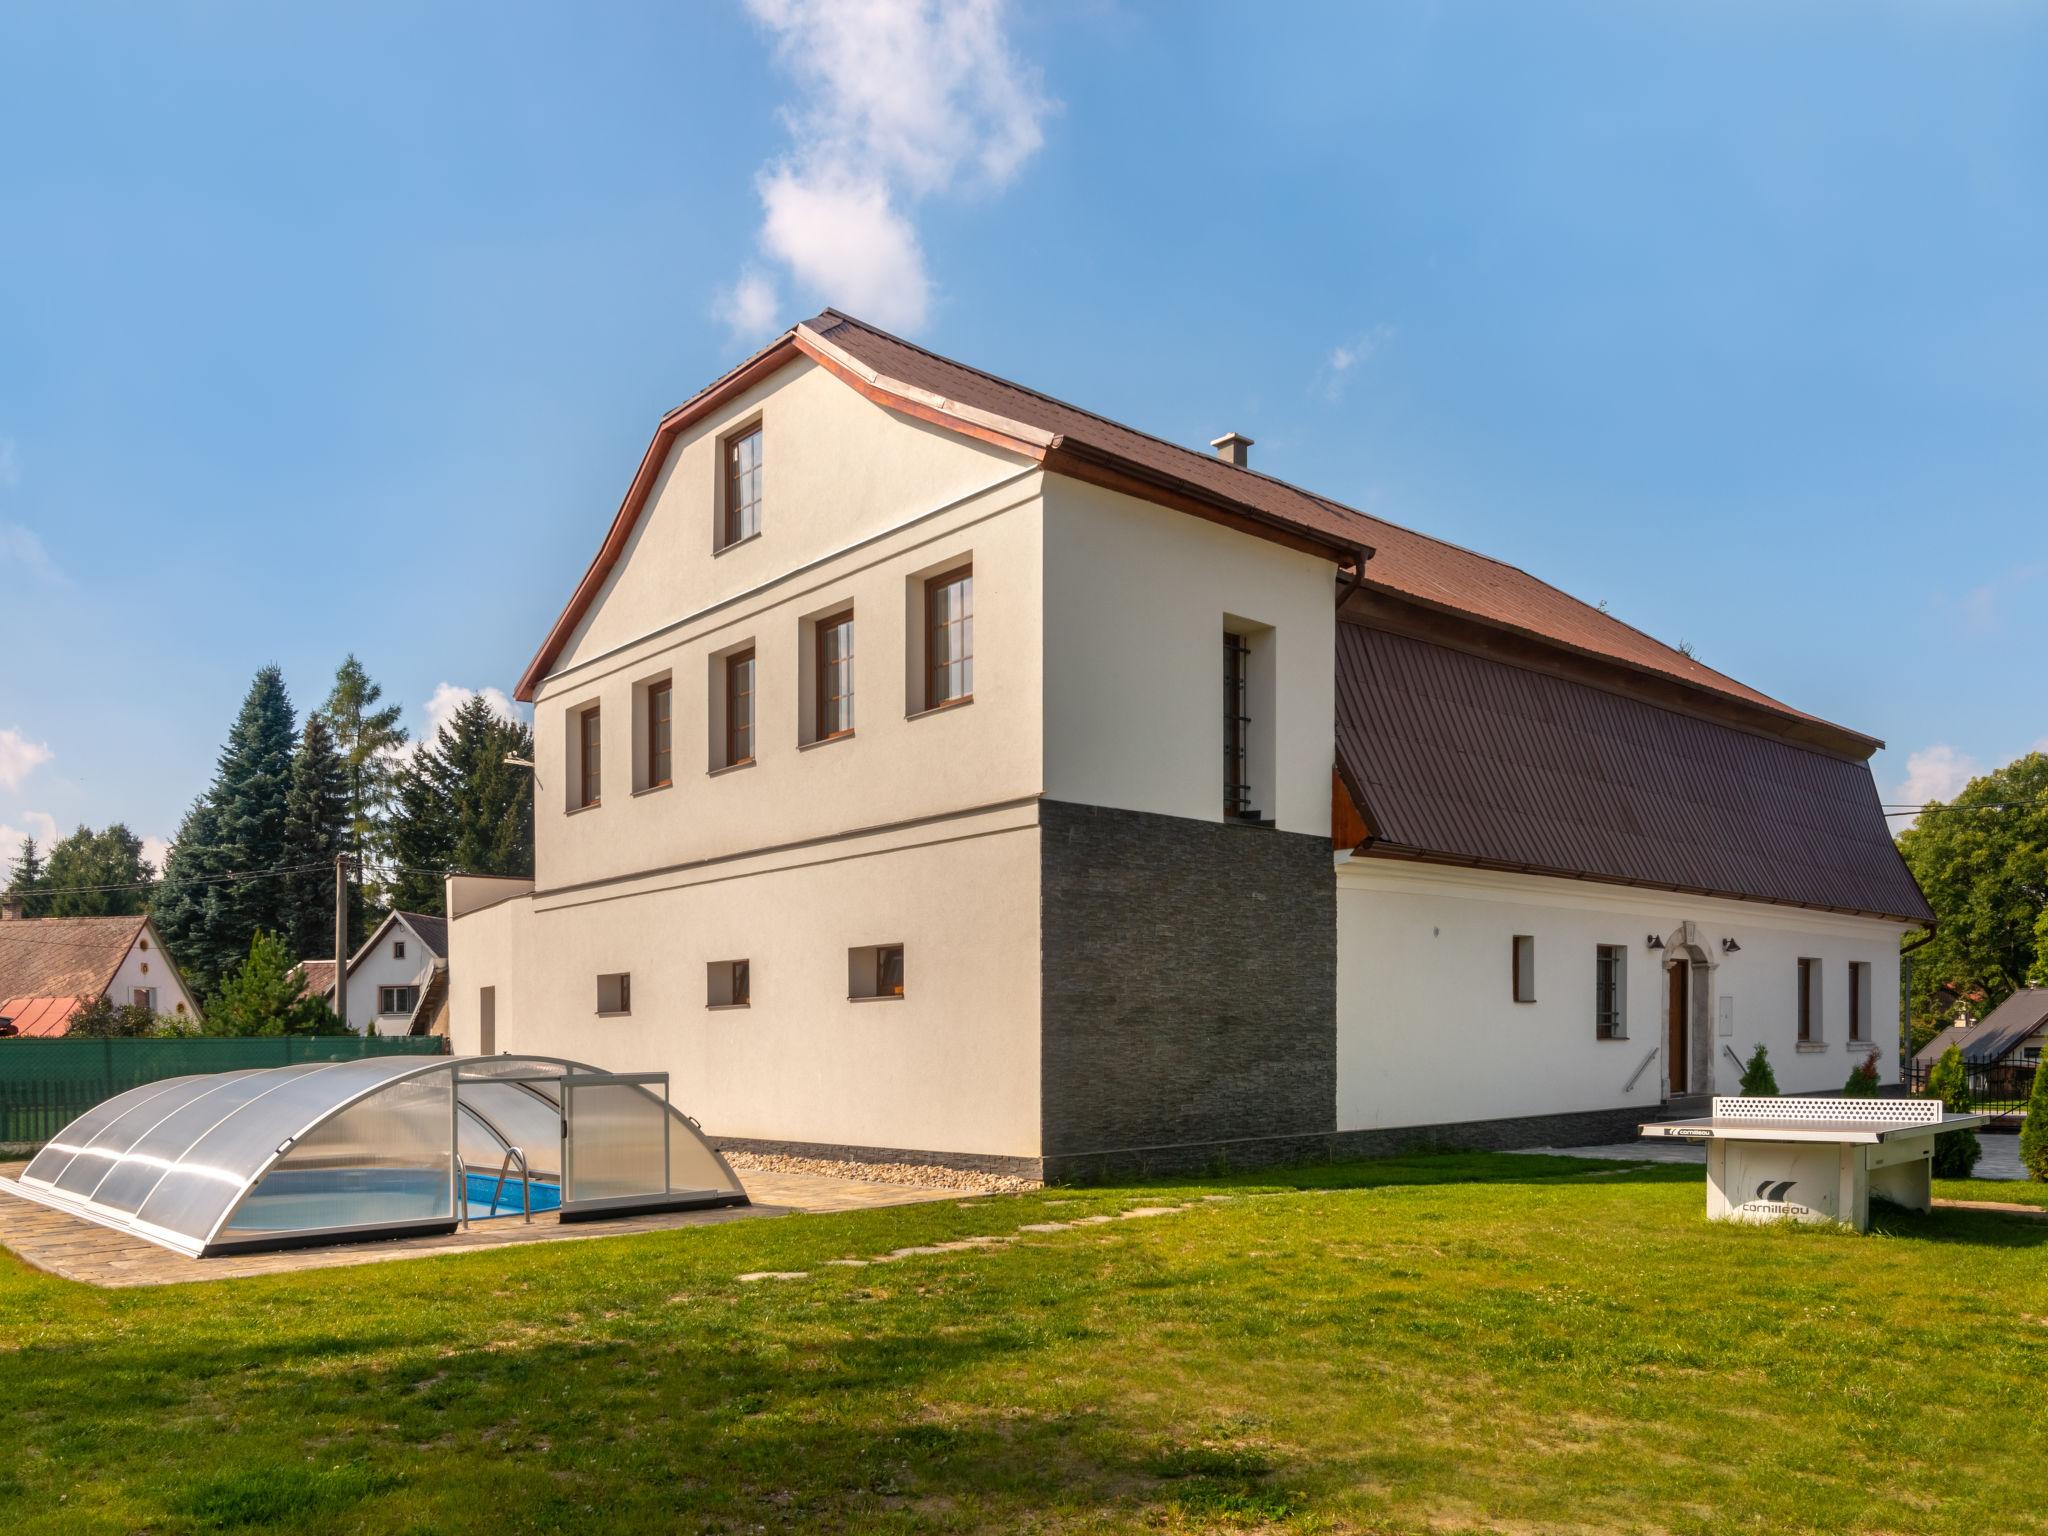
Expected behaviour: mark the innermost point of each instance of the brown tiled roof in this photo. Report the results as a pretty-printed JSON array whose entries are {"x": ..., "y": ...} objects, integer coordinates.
[
  {"x": 63, "y": 956},
  {"x": 1403, "y": 562},
  {"x": 1454, "y": 756},
  {"x": 433, "y": 931},
  {"x": 44, "y": 1018},
  {"x": 316, "y": 977}
]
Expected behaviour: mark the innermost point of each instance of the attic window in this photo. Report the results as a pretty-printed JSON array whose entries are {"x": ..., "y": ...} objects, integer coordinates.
[
  {"x": 740, "y": 515},
  {"x": 398, "y": 949}
]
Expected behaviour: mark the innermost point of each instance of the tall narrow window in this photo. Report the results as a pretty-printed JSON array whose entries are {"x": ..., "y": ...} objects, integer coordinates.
[
  {"x": 1237, "y": 789},
  {"x": 660, "y": 726},
  {"x": 1525, "y": 968},
  {"x": 949, "y": 637},
  {"x": 1610, "y": 981},
  {"x": 590, "y": 743},
  {"x": 1809, "y": 1001},
  {"x": 1859, "y": 1001},
  {"x": 739, "y": 707},
  {"x": 835, "y": 675},
  {"x": 742, "y": 487}
]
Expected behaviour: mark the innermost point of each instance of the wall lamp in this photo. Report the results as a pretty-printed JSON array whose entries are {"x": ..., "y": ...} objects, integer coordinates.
[
  {"x": 1655, "y": 942},
  {"x": 1729, "y": 947}
]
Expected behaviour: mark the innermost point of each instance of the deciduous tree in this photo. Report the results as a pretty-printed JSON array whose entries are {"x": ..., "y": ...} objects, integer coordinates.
[{"x": 97, "y": 874}]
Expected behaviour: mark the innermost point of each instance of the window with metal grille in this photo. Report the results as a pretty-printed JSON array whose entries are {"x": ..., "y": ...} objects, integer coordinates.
[
  {"x": 1610, "y": 977},
  {"x": 1237, "y": 789},
  {"x": 949, "y": 638},
  {"x": 835, "y": 675},
  {"x": 742, "y": 487}
]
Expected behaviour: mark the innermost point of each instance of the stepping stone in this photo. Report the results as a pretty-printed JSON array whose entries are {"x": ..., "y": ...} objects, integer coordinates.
[
  {"x": 775, "y": 1274},
  {"x": 1048, "y": 1226}
]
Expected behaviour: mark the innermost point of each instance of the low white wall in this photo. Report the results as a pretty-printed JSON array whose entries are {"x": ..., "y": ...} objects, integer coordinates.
[
  {"x": 951, "y": 1066},
  {"x": 1428, "y": 1032}
]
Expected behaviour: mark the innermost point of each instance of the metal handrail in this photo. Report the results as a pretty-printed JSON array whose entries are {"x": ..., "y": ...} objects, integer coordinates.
[
  {"x": 462, "y": 1188},
  {"x": 525, "y": 1183},
  {"x": 1625, "y": 1087}
]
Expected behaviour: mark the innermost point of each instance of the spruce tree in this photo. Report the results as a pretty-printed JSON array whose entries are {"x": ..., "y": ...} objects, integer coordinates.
[
  {"x": 26, "y": 882},
  {"x": 316, "y": 829},
  {"x": 220, "y": 881},
  {"x": 2034, "y": 1134},
  {"x": 462, "y": 807},
  {"x": 368, "y": 739},
  {"x": 84, "y": 865}
]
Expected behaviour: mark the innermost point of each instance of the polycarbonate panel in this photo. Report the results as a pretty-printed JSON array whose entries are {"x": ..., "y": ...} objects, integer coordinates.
[
  {"x": 386, "y": 1158},
  {"x": 217, "y": 1167},
  {"x": 164, "y": 1143},
  {"x": 616, "y": 1146},
  {"x": 528, "y": 1120},
  {"x": 693, "y": 1164},
  {"x": 98, "y": 1127}
]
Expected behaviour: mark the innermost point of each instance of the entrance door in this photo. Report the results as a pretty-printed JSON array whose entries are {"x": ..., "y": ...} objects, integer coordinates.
[
  {"x": 614, "y": 1139},
  {"x": 1674, "y": 1037}
]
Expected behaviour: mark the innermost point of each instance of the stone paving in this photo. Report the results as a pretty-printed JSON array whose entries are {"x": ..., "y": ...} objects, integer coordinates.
[{"x": 77, "y": 1249}]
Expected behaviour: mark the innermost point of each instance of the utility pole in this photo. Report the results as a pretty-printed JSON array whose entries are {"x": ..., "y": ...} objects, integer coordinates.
[{"x": 341, "y": 937}]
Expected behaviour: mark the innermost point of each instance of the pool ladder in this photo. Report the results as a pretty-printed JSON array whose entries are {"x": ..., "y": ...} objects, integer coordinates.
[{"x": 512, "y": 1155}]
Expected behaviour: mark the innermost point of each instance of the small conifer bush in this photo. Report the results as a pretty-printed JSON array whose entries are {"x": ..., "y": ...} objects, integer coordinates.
[
  {"x": 1758, "y": 1080},
  {"x": 1955, "y": 1152}
]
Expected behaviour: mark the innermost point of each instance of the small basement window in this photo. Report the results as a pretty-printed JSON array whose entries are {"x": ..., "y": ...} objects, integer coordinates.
[
  {"x": 1610, "y": 992},
  {"x": 729, "y": 984},
  {"x": 874, "y": 971},
  {"x": 615, "y": 993},
  {"x": 1525, "y": 968}
]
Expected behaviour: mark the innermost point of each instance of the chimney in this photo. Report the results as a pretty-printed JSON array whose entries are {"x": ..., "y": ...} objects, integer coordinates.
[
  {"x": 10, "y": 909},
  {"x": 1233, "y": 448}
]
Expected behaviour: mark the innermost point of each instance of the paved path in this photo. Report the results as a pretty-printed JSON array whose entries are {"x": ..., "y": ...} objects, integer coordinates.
[
  {"x": 2001, "y": 1154},
  {"x": 76, "y": 1249}
]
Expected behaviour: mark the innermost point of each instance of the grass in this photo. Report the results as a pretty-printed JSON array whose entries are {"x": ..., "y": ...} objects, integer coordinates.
[{"x": 1457, "y": 1343}]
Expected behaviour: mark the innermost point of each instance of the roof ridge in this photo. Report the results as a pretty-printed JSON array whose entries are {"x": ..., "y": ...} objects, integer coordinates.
[{"x": 1319, "y": 497}]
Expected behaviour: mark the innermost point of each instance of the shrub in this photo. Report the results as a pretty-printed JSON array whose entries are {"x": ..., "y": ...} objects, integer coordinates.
[
  {"x": 2034, "y": 1134},
  {"x": 1862, "y": 1082},
  {"x": 101, "y": 1019},
  {"x": 1955, "y": 1152},
  {"x": 262, "y": 997},
  {"x": 1758, "y": 1080}
]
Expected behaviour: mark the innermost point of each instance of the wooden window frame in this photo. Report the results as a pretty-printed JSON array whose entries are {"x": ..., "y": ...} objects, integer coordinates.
[
  {"x": 661, "y": 757},
  {"x": 1859, "y": 1026},
  {"x": 625, "y": 997},
  {"x": 1237, "y": 725},
  {"x": 821, "y": 674},
  {"x": 1809, "y": 1020},
  {"x": 730, "y": 507},
  {"x": 934, "y": 585},
  {"x": 398, "y": 949},
  {"x": 746, "y": 656},
  {"x": 882, "y": 954},
  {"x": 742, "y": 983},
  {"x": 589, "y": 756}
]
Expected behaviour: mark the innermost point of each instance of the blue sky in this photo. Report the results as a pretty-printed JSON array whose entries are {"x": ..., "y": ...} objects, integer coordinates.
[{"x": 342, "y": 328}]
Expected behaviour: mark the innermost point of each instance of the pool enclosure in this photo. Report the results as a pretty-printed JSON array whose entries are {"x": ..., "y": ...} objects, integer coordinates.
[{"x": 328, "y": 1152}]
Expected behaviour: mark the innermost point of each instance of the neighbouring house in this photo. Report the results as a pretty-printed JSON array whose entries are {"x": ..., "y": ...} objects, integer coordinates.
[
  {"x": 50, "y": 967},
  {"x": 397, "y": 981},
  {"x": 928, "y": 766},
  {"x": 2012, "y": 1035}
]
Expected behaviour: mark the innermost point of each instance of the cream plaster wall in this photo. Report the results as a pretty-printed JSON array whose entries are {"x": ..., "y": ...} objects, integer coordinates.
[
  {"x": 145, "y": 966},
  {"x": 951, "y": 1066},
  {"x": 1136, "y": 602},
  {"x": 1428, "y": 1033},
  {"x": 380, "y": 968}
]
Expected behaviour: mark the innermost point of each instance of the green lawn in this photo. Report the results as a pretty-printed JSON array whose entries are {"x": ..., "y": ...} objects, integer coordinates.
[{"x": 1429, "y": 1344}]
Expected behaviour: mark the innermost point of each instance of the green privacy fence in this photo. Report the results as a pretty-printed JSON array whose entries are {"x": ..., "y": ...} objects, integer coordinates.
[{"x": 45, "y": 1084}]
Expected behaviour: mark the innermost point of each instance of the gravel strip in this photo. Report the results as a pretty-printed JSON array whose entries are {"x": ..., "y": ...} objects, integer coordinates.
[{"x": 920, "y": 1175}]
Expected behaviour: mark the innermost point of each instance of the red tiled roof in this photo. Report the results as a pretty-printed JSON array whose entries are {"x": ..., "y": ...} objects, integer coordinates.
[
  {"x": 1463, "y": 758},
  {"x": 40, "y": 1017},
  {"x": 316, "y": 977}
]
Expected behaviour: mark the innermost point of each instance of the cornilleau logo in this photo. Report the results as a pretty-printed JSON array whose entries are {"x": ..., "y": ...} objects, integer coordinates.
[{"x": 1777, "y": 1190}]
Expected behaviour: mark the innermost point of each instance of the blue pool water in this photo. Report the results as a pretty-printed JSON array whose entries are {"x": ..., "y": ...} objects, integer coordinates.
[{"x": 302, "y": 1199}]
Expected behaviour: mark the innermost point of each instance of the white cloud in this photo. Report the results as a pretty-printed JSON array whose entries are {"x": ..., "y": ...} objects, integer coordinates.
[
  {"x": 1347, "y": 355},
  {"x": 21, "y": 548},
  {"x": 19, "y": 757},
  {"x": 449, "y": 697},
  {"x": 1938, "y": 772},
  {"x": 751, "y": 306},
  {"x": 156, "y": 850},
  {"x": 41, "y": 826},
  {"x": 900, "y": 100}
]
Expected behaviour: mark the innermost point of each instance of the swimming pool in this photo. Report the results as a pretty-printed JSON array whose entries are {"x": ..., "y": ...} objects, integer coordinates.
[{"x": 297, "y": 1199}]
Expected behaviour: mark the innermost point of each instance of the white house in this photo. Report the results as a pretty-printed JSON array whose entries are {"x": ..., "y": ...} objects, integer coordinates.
[
  {"x": 929, "y": 766},
  {"x": 397, "y": 980},
  {"x": 50, "y": 966}
]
